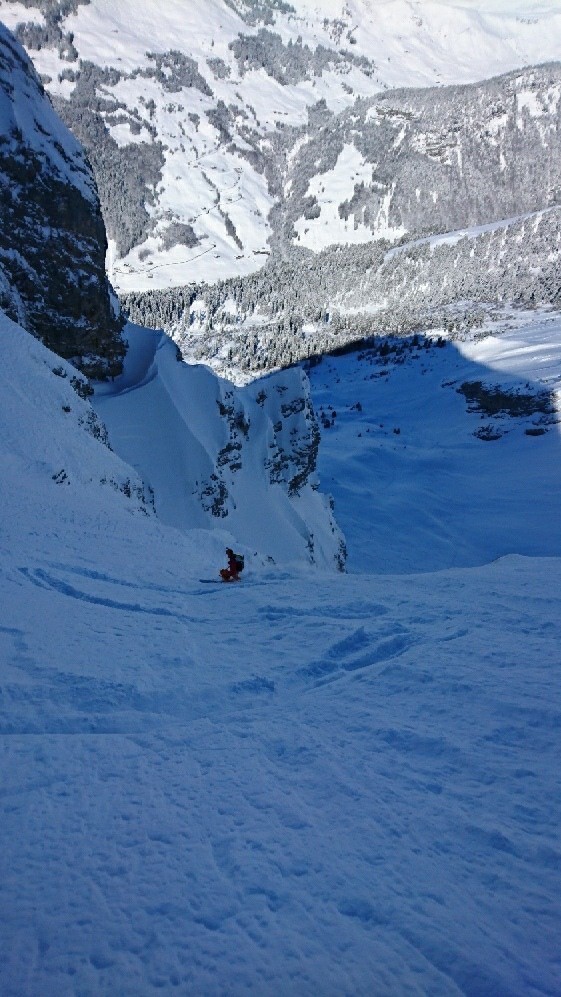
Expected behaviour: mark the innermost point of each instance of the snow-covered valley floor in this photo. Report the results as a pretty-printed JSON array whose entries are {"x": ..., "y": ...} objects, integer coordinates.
[
  {"x": 415, "y": 486},
  {"x": 308, "y": 783}
]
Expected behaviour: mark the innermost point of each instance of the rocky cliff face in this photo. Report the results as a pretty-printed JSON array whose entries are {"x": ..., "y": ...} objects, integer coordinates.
[
  {"x": 239, "y": 461},
  {"x": 52, "y": 236}
]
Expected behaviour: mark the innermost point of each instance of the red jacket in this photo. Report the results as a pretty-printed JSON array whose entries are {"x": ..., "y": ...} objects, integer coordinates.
[
  {"x": 231, "y": 573},
  {"x": 233, "y": 566}
]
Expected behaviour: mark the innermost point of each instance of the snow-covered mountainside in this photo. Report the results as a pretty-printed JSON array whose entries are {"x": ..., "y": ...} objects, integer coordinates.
[
  {"x": 309, "y": 782},
  {"x": 209, "y": 453},
  {"x": 427, "y": 209},
  {"x": 454, "y": 284},
  {"x": 52, "y": 237},
  {"x": 280, "y": 179},
  {"x": 221, "y": 131},
  {"x": 456, "y": 444},
  {"x": 54, "y": 447},
  {"x": 217, "y": 456}
]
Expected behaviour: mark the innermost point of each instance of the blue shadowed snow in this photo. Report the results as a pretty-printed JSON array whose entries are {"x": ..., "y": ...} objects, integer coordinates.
[
  {"x": 415, "y": 488},
  {"x": 307, "y": 783}
]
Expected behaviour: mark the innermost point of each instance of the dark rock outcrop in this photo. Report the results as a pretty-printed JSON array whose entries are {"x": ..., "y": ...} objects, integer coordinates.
[{"x": 52, "y": 236}]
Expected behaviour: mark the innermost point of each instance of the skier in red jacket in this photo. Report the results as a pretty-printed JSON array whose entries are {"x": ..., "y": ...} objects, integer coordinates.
[{"x": 232, "y": 572}]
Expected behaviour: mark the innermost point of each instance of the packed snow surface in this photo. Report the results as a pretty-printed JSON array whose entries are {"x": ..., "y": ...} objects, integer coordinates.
[{"x": 304, "y": 783}]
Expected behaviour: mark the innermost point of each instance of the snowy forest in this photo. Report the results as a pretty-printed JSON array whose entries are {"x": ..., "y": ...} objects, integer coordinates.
[
  {"x": 463, "y": 220},
  {"x": 312, "y": 304}
]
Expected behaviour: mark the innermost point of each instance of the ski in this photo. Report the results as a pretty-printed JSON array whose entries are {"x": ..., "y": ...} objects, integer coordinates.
[{"x": 213, "y": 581}]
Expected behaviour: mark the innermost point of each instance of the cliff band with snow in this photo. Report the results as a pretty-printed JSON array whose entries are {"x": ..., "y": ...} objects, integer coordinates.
[{"x": 52, "y": 236}]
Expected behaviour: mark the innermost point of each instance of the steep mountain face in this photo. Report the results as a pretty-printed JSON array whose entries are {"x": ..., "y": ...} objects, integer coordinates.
[
  {"x": 54, "y": 449},
  {"x": 241, "y": 461},
  {"x": 52, "y": 237}
]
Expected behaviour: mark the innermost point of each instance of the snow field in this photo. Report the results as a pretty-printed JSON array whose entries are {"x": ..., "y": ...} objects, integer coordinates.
[
  {"x": 408, "y": 463},
  {"x": 305, "y": 783},
  {"x": 338, "y": 785},
  {"x": 330, "y": 189}
]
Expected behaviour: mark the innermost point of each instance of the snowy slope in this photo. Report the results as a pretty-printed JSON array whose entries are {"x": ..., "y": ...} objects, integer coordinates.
[
  {"x": 408, "y": 454},
  {"x": 364, "y": 800},
  {"x": 54, "y": 448},
  {"x": 219, "y": 456},
  {"x": 306, "y": 783},
  {"x": 201, "y": 103}
]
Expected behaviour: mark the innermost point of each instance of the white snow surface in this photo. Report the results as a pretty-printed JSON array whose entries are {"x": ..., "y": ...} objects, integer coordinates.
[
  {"x": 163, "y": 418},
  {"x": 305, "y": 783},
  {"x": 437, "y": 36},
  {"x": 330, "y": 189}
]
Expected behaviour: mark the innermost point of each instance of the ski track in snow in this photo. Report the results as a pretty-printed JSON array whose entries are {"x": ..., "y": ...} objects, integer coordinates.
[{"x": 364, "y": 799}]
